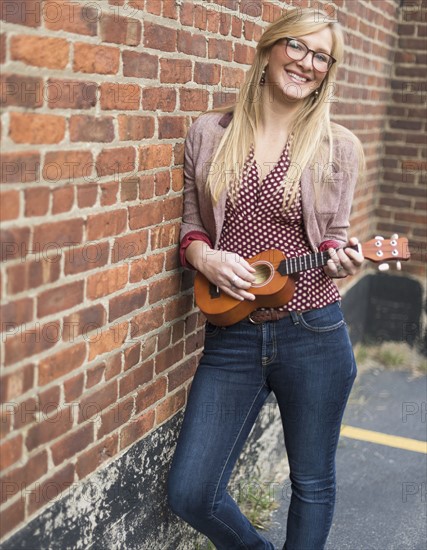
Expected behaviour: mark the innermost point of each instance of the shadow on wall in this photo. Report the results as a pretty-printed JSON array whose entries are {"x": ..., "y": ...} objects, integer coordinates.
[{"x": 385, "y": 307}]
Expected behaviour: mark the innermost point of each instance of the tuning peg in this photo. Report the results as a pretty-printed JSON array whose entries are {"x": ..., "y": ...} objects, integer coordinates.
[
  {"x": 379, "y": 237},
  {"x": 395, "y": 236},
  {"x": 383, "y": 267},
  {"x": 398, "y": 266}
]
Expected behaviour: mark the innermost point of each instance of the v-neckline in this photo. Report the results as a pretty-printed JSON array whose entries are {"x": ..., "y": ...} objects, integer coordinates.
[{"x": 274, "y": 168}]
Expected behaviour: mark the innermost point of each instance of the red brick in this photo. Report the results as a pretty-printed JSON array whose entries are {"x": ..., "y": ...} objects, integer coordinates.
[
  {"x": 88, "y": 257},
  {"x": 50, "y": 488},
  {"x": 178, "y": 307},
  {"x": 20, "y": 478},
  {"x": 225, "y": 24},
  {"x": 192, "y": 44},
  {"x": 17, "y": 383},
  {"x": 159, "y": 37},
  {"x": 109, "y": 192},
  {"x": 106, "y": 282},
  {"x": 113, "y": 365},
  {"x": 127, "y": 302},
  {"x": 115, "y": 161},
  {"x": 132, "y": 356},
  {"x": 89, "y": 58},
  {"x": 49, "y": 52},
  {"x": 20, "y": 167},
  {"x": 145, "y": 322},
  {"x": 172, "y": 404},
  {"x": 181, "y": 374},
  {"x": 187, "y": 13},
  {"x": 32, "y": 274},
  {"x": 58, "y": 234},
  {"x": 71, "y": 17},
  {"x": 172, "y": 127},
  {"x": 232, "y": 78},
  {"x": 164, "y": 288},
  {"x": 90, "y": 460},
  {"x": 36, "y": 201},
  {"x": 155, "y": 156},
  {"x": 21, "y": 12},
  {"x": 147, "y": 267},
  {"x": 120, "y": 96},
  {"x": 146, "y": 187},
  {"x": 162, "y": 180},
  {"x": 115, "y": 417},
  {"x": 61, "y": 298},
  {"x": 108, "y": 340},
  {"x": 14, "y": 243},
  {"x": 105, "y": 225},
  {"x": 120, "y": 30},
  {"x": 91, "y": 128},
  {"x": 170, "y": 10},
  {"x": 136, "y": 429},
  {"x": 67, "y": 165},
  {"x": 20, "y": 91},
  {"x": 175, "y": 71},
  {"x": 61, "y": 363},
  {"x": 220, "y": 49},
  {"x": 129, "y": 189},
  {"x": 62, "y": 200},
  {"x": 145, "y": 215},
  {"x": 139, "y": 64},
  {"x": 200, "y": 17},
  {"x": 129, "y": 246},
  {"x": 86, "y": 195},
  {"x": 17, "y": 312},
  {"x": 73, "y": 388},
  {"x": 207, "y": 73},
  {"x": 83, "y": 322},
  {"x": 169, "y": 357},
  {"x": 10, "y": 451},
  {"x": 135, "y": 127},
  {"x": 70, "y": 445},
  {"x": 95, "y": 402},
  {"x": 193, "y": 99},
  {"x": 33, "y": 128},
  {"x": 243, "y": 54},
  {"x": 9, "y": 205},
  {"x": 163, "y": 99},
  {"x": 150, "y": 394},
  {"x": 94, "y": 375},
  {"x": 71, "y": 94},
  {"x": 49, "y": 429}
]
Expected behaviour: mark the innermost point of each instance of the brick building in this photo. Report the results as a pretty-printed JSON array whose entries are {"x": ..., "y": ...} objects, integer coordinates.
[{"x": 99, "y": 331}]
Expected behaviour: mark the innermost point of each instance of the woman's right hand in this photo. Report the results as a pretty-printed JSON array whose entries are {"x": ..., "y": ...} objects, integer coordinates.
[{"x": 226, "y": 270}]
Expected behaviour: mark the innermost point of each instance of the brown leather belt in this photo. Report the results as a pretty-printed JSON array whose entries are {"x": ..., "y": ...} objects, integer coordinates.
[{"x": 261, "y": 316}]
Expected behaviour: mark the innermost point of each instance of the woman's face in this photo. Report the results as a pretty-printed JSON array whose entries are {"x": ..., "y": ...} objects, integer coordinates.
[{"x": 297, "y": 79}]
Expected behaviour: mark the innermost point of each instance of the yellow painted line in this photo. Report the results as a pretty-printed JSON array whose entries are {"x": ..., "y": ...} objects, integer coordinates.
[{"x": 405, "y": 443}]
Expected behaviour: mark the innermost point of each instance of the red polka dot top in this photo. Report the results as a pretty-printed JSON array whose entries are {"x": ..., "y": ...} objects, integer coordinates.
[{"x": 258, "y": 222}]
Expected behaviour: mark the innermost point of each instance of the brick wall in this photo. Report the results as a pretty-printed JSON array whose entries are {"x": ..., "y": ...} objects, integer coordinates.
[{"x": 99, "y": 327}]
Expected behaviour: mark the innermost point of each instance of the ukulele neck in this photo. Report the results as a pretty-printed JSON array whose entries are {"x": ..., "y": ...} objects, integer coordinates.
[{"x": 304, "y": 263}]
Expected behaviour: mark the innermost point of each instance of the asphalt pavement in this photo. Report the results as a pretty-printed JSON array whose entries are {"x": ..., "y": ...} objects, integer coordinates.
[{"x": 381, "y": 489}]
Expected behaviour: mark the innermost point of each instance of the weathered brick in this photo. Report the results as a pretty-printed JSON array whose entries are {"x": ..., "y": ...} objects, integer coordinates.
[
  {"x": 135, "y": 128},
  {"x": 9, "y": 205},
  {"x": 19, "y": 478},
  {"x": 17, "y": 312},
  {"x": 91, "y": 128},
  {"x": 62, "y": 199},
  {"x": 159, "y": 37},
  {"x": 108, "y": 340},
  {"x": 192, "y": 44},
  {"x": 59, "y": 299},
  {"x": 89, "y": 58},
  {"x": 123, "y": 97},
  {"x": 49, "y": 489},
  {"x": 46, "y": 431},
  {"x": 90, "y": 460},
  {"x": 150, "y": 394},
  {"x": 172, "y": 127},
  {"x": 140, "y": 64},
  {"x": 34, "y": 128},
  {"x": 20, "y": 167},
  {"x": 92, "y": 404},
  {"x": 129, "y": 246},
  {"x": 193, "y": 99},
  {"x": 17, "y": 383},
  {"x": 120, "y": 30},
  {"x": 170, "y": 406},
  {"x": 71, "y": 444},
  {"x": 72, "y": 17},
  {"x": 135, "y": 430},
  {"x": 155, "y": 156},
  {"x": 90, "y": 256},
  {"x": 83, "y": 322},
  {"x": 67, "y": 165},
  {"x": 115, "y": 417},
  {"x": 207, "y": 73},
  {"x": 61, "y": 363},
  {"x": 163, "y": 99},
  {"x": 145, "y": 215},
  {"x": 175, "y": 71},
  {"x": 127, "y": 302},
  {"x": 14, "y": 243},
  {"x": 49, "y": 52},
  {"x": 70, "y": 94},
  {"x": 129, "y": 189},
  {"x": 32, "y": 273},
  {"x": 11, "y": 451},
  {"x": 145, "y": 268},
  {"x": 109, "y": 192},
  {"x": 21, "y": 91},
  {"x": 21, "y": 12}
]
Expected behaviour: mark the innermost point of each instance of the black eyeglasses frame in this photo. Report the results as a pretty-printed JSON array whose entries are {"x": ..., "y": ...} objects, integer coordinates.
[{"x": 288, "y": 38}]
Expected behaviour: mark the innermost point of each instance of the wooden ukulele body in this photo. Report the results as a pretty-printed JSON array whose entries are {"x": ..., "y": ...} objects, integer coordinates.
[{"x": 270, "y": 289}]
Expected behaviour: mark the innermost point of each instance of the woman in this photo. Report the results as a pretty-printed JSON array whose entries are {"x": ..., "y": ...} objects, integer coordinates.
[{"x": 271, "y": 172}]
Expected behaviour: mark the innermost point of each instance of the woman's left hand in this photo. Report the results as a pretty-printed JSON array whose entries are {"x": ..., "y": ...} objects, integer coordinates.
[{"x": 344, "y": 261}]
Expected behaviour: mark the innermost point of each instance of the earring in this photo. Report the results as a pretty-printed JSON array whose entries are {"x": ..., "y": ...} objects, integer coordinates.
[
  {"x": 316, "y": 94},
  {"x": 262, "y": 81}
]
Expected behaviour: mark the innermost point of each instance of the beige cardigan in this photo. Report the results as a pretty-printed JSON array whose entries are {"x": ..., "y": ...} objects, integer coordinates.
[{"x": 329, "y": 221}]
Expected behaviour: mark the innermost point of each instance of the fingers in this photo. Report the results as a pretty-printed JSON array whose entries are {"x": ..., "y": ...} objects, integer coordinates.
[{"x": 344, "y": 262}]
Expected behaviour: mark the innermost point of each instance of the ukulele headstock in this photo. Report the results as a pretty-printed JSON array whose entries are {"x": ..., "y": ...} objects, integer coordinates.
[{"x": 380, "y": 250}]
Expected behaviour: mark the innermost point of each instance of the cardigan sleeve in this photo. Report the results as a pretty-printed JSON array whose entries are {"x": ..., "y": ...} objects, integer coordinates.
[{"x": 189, "y": 238}]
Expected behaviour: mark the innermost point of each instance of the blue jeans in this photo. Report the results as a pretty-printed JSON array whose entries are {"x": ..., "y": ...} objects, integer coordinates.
[{"x": 307, "y": 360}]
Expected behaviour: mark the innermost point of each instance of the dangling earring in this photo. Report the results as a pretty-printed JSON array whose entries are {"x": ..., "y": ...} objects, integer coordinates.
[
  {"x": 316, "y": 94},
  {"x": 262, "y": 81}
]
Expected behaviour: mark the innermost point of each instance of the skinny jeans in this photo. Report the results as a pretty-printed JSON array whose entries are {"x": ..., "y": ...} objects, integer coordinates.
[{"x": 307, "y": 360}]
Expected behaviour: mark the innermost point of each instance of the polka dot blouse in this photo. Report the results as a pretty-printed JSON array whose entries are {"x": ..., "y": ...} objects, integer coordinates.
[{"x": 258, "y": 222}]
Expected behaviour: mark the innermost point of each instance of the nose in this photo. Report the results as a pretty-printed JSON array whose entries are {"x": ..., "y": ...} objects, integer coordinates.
[{"x": 306, "y": 62}]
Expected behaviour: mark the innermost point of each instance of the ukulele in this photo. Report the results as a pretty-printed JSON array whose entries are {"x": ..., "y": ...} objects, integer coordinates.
[{"x": 274, "y": 285}]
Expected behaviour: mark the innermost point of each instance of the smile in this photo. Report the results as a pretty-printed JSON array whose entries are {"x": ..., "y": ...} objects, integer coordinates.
[{"x": 296, "y": 78}]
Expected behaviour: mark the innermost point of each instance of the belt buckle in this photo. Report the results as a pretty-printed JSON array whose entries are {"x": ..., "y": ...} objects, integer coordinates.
[{"x": 252, "y": 320}]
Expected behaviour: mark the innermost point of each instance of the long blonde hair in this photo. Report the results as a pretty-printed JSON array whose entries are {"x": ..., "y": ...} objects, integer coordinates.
[{"x": 312, "y": 131}]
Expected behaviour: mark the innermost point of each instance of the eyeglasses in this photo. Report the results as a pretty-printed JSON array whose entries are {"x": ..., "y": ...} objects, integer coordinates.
[{"x": 297, "y": 50}]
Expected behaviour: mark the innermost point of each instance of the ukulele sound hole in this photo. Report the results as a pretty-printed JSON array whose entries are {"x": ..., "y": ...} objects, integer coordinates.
[{"x": 263, "y": 273}]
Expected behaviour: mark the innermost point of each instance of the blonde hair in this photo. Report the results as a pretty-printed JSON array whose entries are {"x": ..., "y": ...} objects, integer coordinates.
[{"x": 312, "y": 131}]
